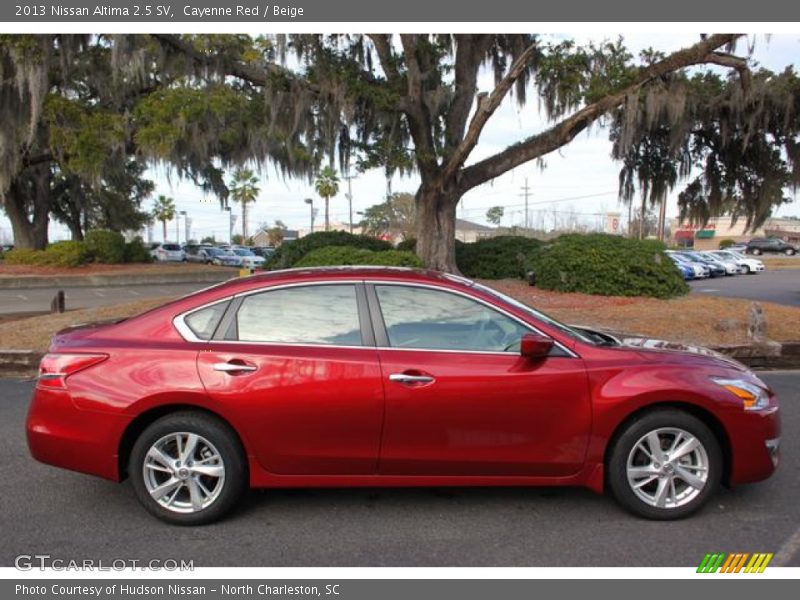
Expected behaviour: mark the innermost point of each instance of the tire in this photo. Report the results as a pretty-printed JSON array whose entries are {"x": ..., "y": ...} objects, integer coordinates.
[
  {"x": 746, "y": 270},
  {"x": 188, "y": 497},
  {"x": 680, "y": 501},
  {"x": 789, "y": 252},
  {"x": 755, "y": 251}
]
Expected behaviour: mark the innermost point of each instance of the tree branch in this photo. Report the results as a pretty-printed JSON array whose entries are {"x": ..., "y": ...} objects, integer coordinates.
[
  {"x": 383, "y": 48},
  {"x": 416, "y": 112},
  {"x": 486, "y": 107},
  {"x": 470, "y": 50},
  {"x": 564, "y": 131}
]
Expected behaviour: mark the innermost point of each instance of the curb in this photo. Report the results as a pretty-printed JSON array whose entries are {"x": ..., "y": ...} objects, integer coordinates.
[
  {"x": 19, "y": 362},
  {"x": 72, "y": 281}
]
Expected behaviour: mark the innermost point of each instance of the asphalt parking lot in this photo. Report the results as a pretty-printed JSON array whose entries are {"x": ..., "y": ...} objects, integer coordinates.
[
  {"x": 44, "y": 510},
  {"x": 781, "y": 286}
]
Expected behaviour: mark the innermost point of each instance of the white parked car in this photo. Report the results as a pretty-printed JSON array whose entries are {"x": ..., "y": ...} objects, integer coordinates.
[
  {"x": 167, "y": 252},
  {"x": 249, "y": 259},
  {"x": 746, "y": 264}
]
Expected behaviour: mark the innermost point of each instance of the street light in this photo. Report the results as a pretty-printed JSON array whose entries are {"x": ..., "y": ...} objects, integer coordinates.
[
  {"x": 310, "y": 202},
  {"x": 181, "y": 213},
  {"x": 230, "y": 224}
]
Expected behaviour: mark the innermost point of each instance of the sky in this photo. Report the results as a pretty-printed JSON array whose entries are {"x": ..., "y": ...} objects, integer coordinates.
[{"x": 579, "y": 178}]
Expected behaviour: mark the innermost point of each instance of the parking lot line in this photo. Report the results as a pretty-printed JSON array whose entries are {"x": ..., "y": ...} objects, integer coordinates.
[{"x": 787, "y": 550}]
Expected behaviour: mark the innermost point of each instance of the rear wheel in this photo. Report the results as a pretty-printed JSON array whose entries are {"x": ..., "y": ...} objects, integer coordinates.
[
  {"x": 188, "y": 468},
  {"x": 665, "y": 465}
]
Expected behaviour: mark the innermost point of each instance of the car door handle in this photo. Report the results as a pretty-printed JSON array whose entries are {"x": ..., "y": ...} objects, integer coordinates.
[
  {"x": 409, "y": 378},
  {"x": 229, "y": 367}
]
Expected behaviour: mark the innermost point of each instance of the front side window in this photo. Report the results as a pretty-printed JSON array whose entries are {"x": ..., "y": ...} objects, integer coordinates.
[
  {"x": 422, "y": 318},
  {"x": 315, "y": 314}
]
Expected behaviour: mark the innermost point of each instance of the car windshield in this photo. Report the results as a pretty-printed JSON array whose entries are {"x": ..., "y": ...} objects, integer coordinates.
[
  {"x": 570, "y": 331},
  {"x": 171, "y": 247},
  {"x": 243, "y": 252},
  {"x": 214, "y": 251}
]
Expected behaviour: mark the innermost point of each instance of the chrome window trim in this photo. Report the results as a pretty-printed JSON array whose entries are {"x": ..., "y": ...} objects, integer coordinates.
[
  {"x": 189, "y": 336},
  {"x": 488, "y": 305}
]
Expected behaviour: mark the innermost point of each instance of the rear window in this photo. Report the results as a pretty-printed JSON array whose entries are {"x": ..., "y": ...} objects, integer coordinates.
[
  {"x": 203, "y": 322},
  {"x": 171, "y": 247}
]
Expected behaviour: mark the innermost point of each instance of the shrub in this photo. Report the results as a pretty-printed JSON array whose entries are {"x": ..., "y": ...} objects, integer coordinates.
[
  {"x": 349, "y": 255},
  {"x": 408, "y": 245},
  {"x": 66, "y": 254},
  {"x": 726, "y": 243},
  {"x": 290, "y": 253},
  {"x": 137, "y": 252},
  {"x": 501, "y": 257},
  {"x": 24, "y": 256},
  {"x": 105, "y": 246},
  {"x": 608, "y": 265},
  {"x": 60, "y": 254}
]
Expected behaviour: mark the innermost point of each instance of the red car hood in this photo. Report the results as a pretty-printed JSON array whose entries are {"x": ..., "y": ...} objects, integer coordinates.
[{"x": 659, "y": 348}]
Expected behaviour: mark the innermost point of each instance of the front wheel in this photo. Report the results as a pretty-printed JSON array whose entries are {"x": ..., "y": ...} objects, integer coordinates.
[
  {"x": 789, "y": 251},
  {"x": 755, "y": 251},
  {"x": 665, "y": 465},
  {"x": 188, "y": 468}
]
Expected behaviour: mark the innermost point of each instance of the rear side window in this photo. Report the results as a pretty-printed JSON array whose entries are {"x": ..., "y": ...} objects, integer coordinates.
[
  {"x": 317, "y": 314},
  {"x": 171, "y": 247},
  {"x": 204, "y": 322}
]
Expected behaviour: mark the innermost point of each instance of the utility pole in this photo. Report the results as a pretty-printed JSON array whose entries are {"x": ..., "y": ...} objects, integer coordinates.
[
  {"x": 526, "y": 193},
  {"x": 177, "y": 228},
  {"x": 349, "y": 196},
  {"x": 181, "y": 213}
]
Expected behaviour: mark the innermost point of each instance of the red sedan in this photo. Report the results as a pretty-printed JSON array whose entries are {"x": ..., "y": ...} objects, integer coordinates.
[{"x": 389, "y": 377}]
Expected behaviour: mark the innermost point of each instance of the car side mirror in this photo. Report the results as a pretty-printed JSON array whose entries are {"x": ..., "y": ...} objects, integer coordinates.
[{"x": 534, "y": 345}]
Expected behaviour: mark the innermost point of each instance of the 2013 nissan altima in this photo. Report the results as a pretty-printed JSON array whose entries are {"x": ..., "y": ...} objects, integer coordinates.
[{"x": 389, "y": 377}]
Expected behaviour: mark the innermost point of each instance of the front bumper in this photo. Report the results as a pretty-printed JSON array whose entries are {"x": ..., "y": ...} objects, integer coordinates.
[{"x": 755, "y": 444}]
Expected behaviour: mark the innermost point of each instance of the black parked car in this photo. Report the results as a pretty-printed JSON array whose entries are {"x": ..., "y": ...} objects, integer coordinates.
[{"x": 761, "y": 245}]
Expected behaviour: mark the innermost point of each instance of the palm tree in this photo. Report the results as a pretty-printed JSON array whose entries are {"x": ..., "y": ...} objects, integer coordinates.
[
  {"x": 164, "y": 210},
  {"x": 327, "y": 186},
  {"x": 243, "y": 189}
]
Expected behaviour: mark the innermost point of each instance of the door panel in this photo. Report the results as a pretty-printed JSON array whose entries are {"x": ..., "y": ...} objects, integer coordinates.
[
  {"x": 297, "y": 364},
  {"x": 484, "y": 414},
  {"x": 305, "y": 410}
]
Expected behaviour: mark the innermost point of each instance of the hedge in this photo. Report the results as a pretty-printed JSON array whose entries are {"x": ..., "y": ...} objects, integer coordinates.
[
  {"x": 60, "y": 254},
  {"x": 501, "y": 257},
  {"x": 105, "y": 246},
  {"x": 608, "y": 265},
  {"x": 349, "y": 255},
  {"x": 290, "y": 253}
]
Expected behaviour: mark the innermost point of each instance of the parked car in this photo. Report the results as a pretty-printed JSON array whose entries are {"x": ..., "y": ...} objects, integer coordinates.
[
  {"x": 740, "y": 248},
  {"x": 368, "y": 376},
  {"x": 168, "y": 252},
  {"x": 196, "y": 253},
  {"x": 701, "y": 270},
  {"x": 746, "y": 264},
  {"x": 688, "y": 271},
  {"x": 264, "y": 251},
  {"x": 249, "y": 259},
  {"x": 223, "y": 257},
  {"x": 731, "y": 265},
  {"x": 770, "y": 245},
  {"x": 716, "y": 268}
]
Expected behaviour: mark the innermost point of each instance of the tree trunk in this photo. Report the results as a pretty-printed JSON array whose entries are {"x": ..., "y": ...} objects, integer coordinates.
[
  {"x": 244, "y": 223},
  {"x": 436, "y": 229},
  {"x": 327, "y": 215},
  {"x": 164, "y": 225},
  {"x": 27, "y": 205}
]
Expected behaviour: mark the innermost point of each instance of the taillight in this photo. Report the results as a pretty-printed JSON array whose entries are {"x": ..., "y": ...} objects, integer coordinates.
[{"x": 55, "y": 368}]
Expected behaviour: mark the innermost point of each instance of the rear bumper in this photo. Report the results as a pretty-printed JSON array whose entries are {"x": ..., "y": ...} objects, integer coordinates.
[{"x": 61, "y": 434}]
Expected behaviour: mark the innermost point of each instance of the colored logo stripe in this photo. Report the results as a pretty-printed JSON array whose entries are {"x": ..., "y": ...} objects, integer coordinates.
[{"x": 735, "y": 562}]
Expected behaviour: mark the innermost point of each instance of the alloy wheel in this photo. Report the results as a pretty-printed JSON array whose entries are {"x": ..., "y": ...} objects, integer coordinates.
[
  {"x": 667, "y": 468},
  {"x": 183, "y": 472}
]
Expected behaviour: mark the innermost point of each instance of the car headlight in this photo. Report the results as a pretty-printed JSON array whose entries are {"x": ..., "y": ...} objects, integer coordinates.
[{"x": 753, "y": 396}]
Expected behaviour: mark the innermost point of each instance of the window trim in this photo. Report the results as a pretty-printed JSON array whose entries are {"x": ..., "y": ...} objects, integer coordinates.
[
  {"x": 186, "y": 331},
  {"x": 382, "y": 338}
]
